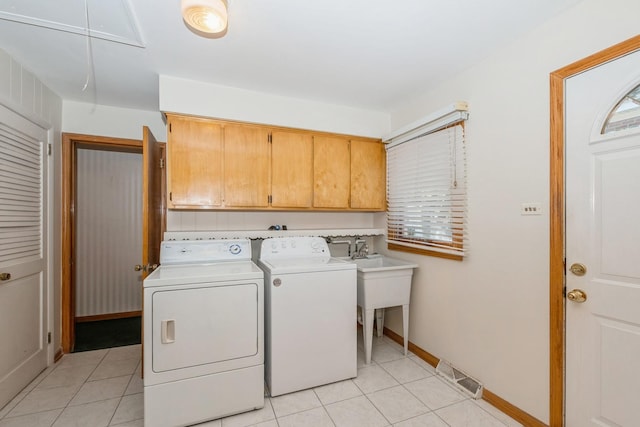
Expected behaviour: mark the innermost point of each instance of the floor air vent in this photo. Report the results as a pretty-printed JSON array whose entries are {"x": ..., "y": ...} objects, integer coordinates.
[{"x": 461, "y": 380}]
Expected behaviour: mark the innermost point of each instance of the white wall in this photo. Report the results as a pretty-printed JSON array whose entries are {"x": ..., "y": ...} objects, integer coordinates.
[
  {"x": 489, "y": 315},
  {"x": 23, "y": 92},
  {"x": 103, "y": 120},
  {"x": 223, "y": 102}
]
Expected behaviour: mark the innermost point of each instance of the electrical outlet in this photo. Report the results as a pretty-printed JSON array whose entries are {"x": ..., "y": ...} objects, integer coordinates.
[{"x": 531, "y": 209}]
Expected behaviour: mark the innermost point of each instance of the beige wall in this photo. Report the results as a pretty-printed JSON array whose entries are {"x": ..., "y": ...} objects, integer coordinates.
[
  {"x": 489, "y": 315},
  {"x": 22, "y": 92}
]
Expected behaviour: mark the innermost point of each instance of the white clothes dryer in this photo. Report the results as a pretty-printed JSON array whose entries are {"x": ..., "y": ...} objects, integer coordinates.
[
  {"x": 310, "y": 314},
  {"x": 203, "y": 333}
]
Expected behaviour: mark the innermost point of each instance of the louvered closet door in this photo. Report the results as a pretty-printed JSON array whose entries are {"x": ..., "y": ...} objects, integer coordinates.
[{"x": 23, "y": 290}]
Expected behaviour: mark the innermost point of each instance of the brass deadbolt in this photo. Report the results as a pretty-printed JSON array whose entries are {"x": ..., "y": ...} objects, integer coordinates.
[{"x": 578, "y": 269}]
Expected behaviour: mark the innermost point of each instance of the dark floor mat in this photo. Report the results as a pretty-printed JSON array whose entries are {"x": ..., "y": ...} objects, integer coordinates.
[{"x": 107, "y": 333}]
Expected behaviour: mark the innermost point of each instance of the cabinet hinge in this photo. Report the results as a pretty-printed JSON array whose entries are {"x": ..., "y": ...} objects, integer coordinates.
[
  {"x": 171, "y": 196},
  {"x": 269, "y": 199},
  {"x": 49, "y": 149},
  {"x": 161, "y": 163},
  {"x": 269, "y": 139},
  {"x": 169, "y": 127},
  {"x": 49, "y": 338}
]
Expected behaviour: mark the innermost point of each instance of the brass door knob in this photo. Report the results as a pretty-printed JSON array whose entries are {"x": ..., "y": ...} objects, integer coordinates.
[
  {"x": 5, "y": 276},
  {"x": 146, "y": 268},
  {"x": 577, "y": 295},
  {"x": 578, "y": 269}
]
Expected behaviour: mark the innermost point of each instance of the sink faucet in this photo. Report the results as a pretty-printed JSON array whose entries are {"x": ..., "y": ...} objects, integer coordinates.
[{"x": 362, "y": 251}]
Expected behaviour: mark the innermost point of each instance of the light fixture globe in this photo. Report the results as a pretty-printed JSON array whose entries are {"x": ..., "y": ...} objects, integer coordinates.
[{"x": 205, "y": 16}]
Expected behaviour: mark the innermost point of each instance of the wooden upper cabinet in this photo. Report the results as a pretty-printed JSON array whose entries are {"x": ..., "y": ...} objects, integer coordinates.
[
  {"x": 246, "y": 166},
  {"x": 368, "y": 175},
  {"x": 291, "y": 169},
  {"x": 215, "y": 164},
  {"x": 331, "y": 172},
  {"x": 194, "y": 163}
]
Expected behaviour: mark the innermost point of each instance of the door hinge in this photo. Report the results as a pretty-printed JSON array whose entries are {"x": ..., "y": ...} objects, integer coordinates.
[
  {"x": 49, "y": 338},
  {"x": 49, "y": 149},
  {"x": 161, "y": 163}
]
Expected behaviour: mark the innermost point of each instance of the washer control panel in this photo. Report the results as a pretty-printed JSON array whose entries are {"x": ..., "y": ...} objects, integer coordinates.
[
  {"x": 294, "y": 247},
  {"x": 204, "y": 251}
]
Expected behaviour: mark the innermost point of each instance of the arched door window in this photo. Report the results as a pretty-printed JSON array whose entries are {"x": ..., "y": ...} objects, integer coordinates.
[{"x": 626, "y": 113}]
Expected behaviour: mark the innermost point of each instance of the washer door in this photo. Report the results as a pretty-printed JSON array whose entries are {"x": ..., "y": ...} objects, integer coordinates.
[{"x": 204, "y": 325}]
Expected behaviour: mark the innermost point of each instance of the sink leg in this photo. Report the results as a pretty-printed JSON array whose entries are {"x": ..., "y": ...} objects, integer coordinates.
[
  {"x": 367, "y": 330},
  {"x": 405, "y": 327},
  {"x": 379, "y": 321}
]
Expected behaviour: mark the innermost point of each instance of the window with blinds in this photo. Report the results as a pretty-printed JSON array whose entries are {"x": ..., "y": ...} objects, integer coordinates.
[
  {"x": 20, "y": 196},
  {"x": 426, "y": 192}
]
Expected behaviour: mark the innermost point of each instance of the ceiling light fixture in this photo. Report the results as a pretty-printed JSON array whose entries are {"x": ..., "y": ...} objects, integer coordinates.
[{"x": 207, "y": 18}]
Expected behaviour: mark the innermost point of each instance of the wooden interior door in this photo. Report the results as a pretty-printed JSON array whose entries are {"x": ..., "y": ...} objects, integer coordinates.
[
  {"x": 602, "y": 251},
  {"x": 153, "y": 206},
  {"x": 152, "y": 200},
  {"x": 331, "y": 172}
]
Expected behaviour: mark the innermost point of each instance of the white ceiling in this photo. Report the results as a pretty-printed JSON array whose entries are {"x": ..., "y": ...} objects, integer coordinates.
[{"x": 363, "y": 53}]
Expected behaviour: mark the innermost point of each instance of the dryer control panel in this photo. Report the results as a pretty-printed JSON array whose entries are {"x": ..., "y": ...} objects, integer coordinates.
[{"x": 204, "y": 251}]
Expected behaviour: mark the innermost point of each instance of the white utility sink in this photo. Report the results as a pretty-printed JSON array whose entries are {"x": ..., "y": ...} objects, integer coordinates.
[{"x": 383, "y": 282}]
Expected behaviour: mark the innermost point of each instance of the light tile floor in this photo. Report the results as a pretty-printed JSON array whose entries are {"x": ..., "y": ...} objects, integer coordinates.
[{"x": 103, "y": 388}]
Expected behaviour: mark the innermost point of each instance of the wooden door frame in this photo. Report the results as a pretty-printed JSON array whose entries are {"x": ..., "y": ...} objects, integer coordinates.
[
  {"x": 557, "y": 218},
  {"x": 70, "y": 144}
]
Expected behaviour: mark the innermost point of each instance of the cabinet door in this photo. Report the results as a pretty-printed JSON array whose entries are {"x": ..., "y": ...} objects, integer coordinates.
[
  {"x": 246, "y": 166},
  {"x": 368, "y": 175},
  {"x": 291, "y": 170},
  {"x": 194, "y": 163},
  {"x": 331, "y": 174}
]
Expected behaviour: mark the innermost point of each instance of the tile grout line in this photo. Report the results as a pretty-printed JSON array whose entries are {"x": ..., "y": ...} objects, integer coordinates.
[{"x": 80, "y": 388}]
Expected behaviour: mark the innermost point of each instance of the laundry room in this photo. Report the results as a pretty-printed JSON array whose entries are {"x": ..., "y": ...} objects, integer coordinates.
[{"x": 352, "y": 214}]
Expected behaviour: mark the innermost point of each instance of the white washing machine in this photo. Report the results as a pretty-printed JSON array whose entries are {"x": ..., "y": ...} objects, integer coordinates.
[
  {"x": 310, "y": 314},
  {"x": 203, "y": 333}
]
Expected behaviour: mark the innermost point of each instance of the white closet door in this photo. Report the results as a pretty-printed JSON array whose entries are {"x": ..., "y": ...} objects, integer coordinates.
[{"x": 23, "y": 288}]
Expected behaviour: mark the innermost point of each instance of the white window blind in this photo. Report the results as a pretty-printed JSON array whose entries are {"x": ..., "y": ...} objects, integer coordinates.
[
  {"x": 426, "y": 191},
  {"x": 20, "y": 196}
]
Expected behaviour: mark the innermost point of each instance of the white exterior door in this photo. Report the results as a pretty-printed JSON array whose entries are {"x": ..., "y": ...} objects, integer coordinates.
[
  {"x": 602, "y": 234},
  {"x": 23, "y": 287}
]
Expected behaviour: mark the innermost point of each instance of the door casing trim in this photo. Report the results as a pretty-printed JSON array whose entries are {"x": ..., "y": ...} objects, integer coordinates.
[
  {"x": 557, "y": 218},
  {"x": 70, "y": 143}
]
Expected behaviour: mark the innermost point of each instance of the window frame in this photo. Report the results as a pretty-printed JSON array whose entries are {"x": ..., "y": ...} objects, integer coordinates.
[{"x": 455, "y": 249}]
